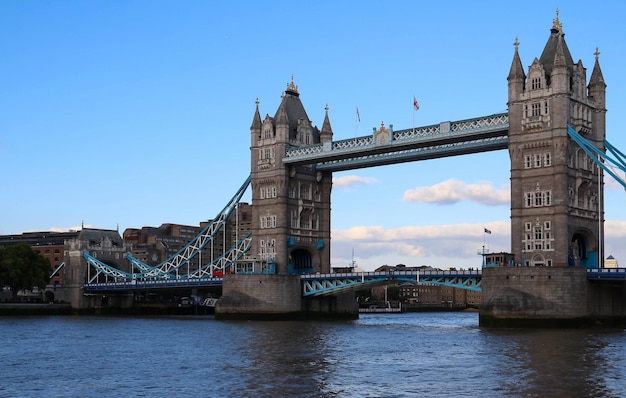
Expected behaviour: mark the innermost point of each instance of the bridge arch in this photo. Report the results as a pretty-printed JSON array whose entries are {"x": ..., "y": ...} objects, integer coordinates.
[
  {"x": 300, "y": 261},
  {"x": 538, "y": 260},
  {"x": 583, "y": 249}
]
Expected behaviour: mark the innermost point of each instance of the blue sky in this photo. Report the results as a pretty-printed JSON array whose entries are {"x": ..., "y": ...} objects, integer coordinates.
[{"x": 135, "y": 113}]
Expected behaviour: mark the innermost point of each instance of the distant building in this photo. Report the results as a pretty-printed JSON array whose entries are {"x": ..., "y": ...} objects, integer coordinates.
[
  {"x": 425, "y": 294},
  {"x": 49, "y": 244},
  {"x": 428, "y": 294},
  {"x": 64, "y": 250},
  {"x": 154, "y": 245},
  {"x": 610, "y": 262}
]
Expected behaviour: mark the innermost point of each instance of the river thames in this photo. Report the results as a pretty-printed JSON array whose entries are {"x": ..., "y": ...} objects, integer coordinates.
[{"x": 378, "y": 355}]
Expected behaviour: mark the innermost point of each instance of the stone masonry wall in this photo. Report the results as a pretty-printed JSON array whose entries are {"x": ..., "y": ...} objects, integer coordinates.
[
  {"x": 258, "y": 295},
  {"x": 534, "y": 293}
]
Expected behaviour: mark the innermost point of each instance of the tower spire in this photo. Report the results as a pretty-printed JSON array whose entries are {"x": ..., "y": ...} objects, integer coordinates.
[
  {"x": 256, "y": 120},
  {"x": 327, "y": 132},
  {"x": 557, "y": 26}
]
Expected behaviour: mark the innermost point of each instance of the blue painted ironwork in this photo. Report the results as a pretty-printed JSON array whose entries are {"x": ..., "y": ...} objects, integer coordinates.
[
  {"x": 606, "y": 162},
  {"x": 461, "y": 137},
  {"x": 335, "y": 283},
  {"x": 169, "y": 269},
  {"x": 136, "y": 284},
  {"x": 606, "y": 274}
]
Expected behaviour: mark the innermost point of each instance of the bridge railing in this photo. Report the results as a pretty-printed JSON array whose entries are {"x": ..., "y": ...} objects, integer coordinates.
[
  {"x": 467, "y": 127},
  {"x": 392, "y": 274},
  {"x": 606, "y": 274}
]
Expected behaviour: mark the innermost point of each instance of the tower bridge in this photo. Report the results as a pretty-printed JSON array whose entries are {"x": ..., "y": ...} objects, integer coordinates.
[{"x": 555, "y": 133}]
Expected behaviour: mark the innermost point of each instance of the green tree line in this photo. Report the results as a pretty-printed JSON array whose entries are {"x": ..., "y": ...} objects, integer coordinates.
[{"x": 22, "y": 268}]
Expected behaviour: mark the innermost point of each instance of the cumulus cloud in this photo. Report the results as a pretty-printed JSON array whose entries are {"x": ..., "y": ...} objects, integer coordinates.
[
  {"x": 350, "y": 181},
  {"x": 453, "y": 191},
  {"x": 614, "y": 229},
  {"x": 379, "y": 233},
  {"x": 439, "y": 246}
]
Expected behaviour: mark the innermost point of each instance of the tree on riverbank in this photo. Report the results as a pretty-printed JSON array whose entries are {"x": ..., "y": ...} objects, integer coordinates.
[{"x": 22, "y": 268}]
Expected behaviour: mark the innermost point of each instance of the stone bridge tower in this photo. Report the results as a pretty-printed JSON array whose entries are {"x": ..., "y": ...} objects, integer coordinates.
[
  {"x": 291, "y": 204},
  {"x": 556, "y": 189}
]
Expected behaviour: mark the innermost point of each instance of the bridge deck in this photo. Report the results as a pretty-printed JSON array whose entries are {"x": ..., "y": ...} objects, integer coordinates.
[{"x": 334, "y": 283}]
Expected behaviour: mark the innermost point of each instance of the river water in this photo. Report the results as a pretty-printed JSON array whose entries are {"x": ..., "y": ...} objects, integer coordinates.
[{"x": 379, "y": 355}]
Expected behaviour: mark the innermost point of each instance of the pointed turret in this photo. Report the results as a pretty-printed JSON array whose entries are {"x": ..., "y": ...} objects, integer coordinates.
[
  {"x": 597, "y": 86},
  {"x": 326, "y": 134},
  {"x": 256, "y": 120},
  {"x": 560, "y": 68},
  {"x": 281, "y": 118},
  {"x": 517, "y": 76}
]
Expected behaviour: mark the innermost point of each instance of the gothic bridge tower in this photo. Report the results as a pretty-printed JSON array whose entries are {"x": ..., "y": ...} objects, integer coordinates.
[
  {"x": 556, "y": 189},
  {"x": 290, "y": 204}
]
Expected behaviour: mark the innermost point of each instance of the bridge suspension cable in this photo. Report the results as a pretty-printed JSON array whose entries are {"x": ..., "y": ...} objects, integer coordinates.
[
  {"x": 606, "y": 162},
  {"x": 169, "y": 268}
]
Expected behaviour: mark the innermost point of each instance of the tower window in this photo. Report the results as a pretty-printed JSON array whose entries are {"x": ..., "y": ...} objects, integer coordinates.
[
  {"x": 547, "y": 159},
  {"x": 536, "y": 109},
  {"x": 528, "y": 162},
  {"x": 535, "y": 83}
]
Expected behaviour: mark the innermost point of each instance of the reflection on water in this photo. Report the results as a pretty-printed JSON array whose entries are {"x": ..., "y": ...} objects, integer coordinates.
[
  {"x": 379, "y": 355},
  {"x": 564, "y": 362}
]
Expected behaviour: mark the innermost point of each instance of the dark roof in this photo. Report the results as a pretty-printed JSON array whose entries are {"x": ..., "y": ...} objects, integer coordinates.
[
  {"x": 40, "y": 238},
  {"x": 550, "y": 51}
]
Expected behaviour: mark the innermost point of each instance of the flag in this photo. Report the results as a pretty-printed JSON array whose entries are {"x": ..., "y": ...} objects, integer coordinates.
[
  {"x": 357, "y": 114},
  {"x": 487, "y": 231},
  {"x": 416, "y": 105}
]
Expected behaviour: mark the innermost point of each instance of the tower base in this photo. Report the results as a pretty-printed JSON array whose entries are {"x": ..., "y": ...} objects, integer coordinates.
[
  {"x": 549, "y": 297},
  {"x": 278, "y": 297}
]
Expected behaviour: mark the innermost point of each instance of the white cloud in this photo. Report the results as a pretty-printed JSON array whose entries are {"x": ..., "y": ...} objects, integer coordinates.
[
  {"x": 63, "y": 229},
  {"x": 350, "y": 181},
  {"x": 441, "y": 246},
  {"x": 615, "y": 229},
  {"x": 436, "y": 245},
  {"x": 453, "y": 191}
]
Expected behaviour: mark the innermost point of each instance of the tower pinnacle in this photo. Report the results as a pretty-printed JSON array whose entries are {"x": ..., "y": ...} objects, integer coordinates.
[{"x": 557, "y": 26}]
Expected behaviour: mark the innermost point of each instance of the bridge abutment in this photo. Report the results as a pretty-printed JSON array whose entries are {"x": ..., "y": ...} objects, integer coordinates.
[
  {"x": 277, "y": 297},
  {"x": 549, "y": 297}
]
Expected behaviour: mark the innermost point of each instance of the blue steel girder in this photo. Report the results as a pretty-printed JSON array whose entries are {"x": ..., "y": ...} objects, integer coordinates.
[
  {"x": 185, "y": 254},
  {"x": 336, "y": 283},
  {"x": 105, "y": 269},
  {"x": 167, "y": 270},
  {"x": 604, "y": 161},
  {"x": 459, "y": 282},
  {"x": 445, "y": 139},
  {"x": 225, "y": 261}
]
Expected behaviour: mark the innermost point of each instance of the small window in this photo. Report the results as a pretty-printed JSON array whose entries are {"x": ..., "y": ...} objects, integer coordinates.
[
  {"x": 528, "y": 162},
  {"x": 535, "y": 83},
  {"x": 536, "y": 109}
]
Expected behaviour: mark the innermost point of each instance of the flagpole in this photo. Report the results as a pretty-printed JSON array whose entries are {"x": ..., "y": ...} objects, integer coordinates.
[
  {"x": 414, "y": 113},
  {"x": 356, "y": 122}
]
